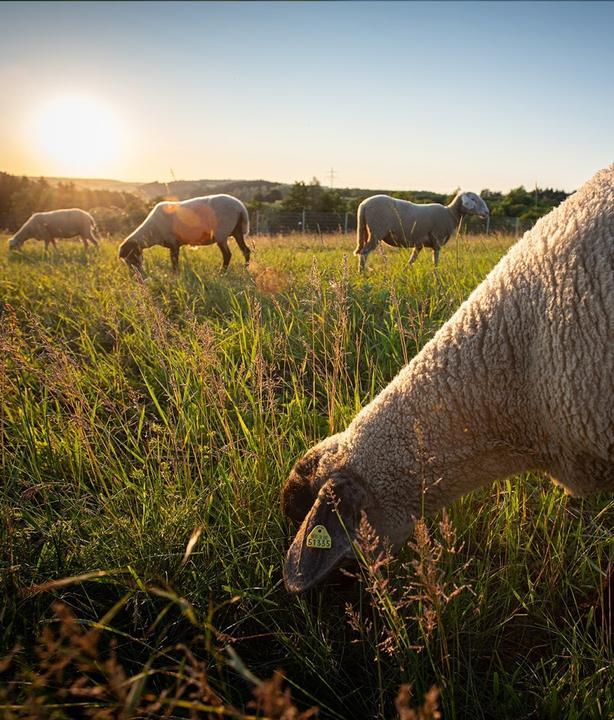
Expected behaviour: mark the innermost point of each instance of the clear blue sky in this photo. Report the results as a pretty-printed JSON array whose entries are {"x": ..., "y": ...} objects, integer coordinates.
[{"x": 392, "y": 95}]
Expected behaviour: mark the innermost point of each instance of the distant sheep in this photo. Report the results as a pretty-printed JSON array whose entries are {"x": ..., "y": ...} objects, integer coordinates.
[
  {"x": 198, "y": 221},
  {"x": 405, "y": 224},
  {"x": 520, "y": 378},
  {"x": 54, "y": 224}
]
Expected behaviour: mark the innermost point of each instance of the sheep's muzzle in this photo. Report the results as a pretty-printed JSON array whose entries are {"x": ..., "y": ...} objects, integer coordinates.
[{"x": 132, "y": 254}]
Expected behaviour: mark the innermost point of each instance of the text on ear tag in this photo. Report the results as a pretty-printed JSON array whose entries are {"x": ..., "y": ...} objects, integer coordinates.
[{"x": 319, "y": 538}]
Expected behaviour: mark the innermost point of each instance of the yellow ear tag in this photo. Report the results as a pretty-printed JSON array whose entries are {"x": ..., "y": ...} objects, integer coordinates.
[{"x": 319, "y": 538}]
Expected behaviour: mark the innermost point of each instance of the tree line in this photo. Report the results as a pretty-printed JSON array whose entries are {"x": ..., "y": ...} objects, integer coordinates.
[
  {"x": 113, "y": 211},
  {"x": 517, "y": 203},
  {"x": 118, "y": 212}
]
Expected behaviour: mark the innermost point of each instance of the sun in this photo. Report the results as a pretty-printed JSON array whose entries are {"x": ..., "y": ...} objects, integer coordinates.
[{"x": 79, "y": 134}]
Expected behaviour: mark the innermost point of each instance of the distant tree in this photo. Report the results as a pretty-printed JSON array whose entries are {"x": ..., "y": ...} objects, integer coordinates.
[
  {"x": 490, "y": 196},
  {"x": 332, "y": 201},
  {"x": 314, "y": 197},
  {"x": 273, "y": 196},
  {"x": 257, "y": 203},
  {"x": 298, "y": 197}
]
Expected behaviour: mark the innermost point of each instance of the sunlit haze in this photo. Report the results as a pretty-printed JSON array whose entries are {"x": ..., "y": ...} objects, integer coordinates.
[
  {"x": 78, "y": 135},
  {"x": 389, "y": 95}
]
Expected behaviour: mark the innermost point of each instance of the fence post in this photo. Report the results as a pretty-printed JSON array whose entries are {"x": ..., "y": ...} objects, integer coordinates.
[
  {"x": 488, "y": 223},
  {"x": 303, "y": 221},
  {"x": 516, "y": 228},
  {"x": 345, "y": 224},
  {"x": 257, "y": 223}
]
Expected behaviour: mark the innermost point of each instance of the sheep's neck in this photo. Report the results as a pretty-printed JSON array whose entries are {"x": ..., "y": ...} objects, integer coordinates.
[
  {"x": 456, "y": 208},
  {"x": 467, "y": 406},
  {"x": 22, "y": 234},
  {"x": 453, "y": 420}
]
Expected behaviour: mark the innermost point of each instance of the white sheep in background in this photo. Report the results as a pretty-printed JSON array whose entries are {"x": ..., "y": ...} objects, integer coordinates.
[
  {"x": 520, "y": 378},
  {"x": 198, "y": 221},
  {"x": 54, "y": 224},
  {"x": 405, "y": 224}
]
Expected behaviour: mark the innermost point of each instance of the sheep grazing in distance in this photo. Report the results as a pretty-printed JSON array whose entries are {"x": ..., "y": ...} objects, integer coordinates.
[
  {"x": 520, "y": 378},
  {"x": 198, "y": 221},
  {"x": 401, "y": 223},
  {"x": 54, "y": 224}
]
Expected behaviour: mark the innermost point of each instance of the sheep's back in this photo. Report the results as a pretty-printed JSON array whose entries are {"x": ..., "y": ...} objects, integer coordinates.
[
  {"x": 573, "y": 252},
  {"x": 407, "y": 223},
  {"x": 552, "y": 296},
  {"x": 198, "y": 220},
  {"x": 66, "y": 222}
]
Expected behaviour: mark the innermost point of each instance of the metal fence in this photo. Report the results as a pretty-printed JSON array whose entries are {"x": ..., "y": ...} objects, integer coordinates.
[{"x": 276, "y": 222}]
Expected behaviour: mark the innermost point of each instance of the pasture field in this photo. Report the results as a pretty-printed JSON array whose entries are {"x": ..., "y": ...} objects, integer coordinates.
[{"x": 146, "y": 430}]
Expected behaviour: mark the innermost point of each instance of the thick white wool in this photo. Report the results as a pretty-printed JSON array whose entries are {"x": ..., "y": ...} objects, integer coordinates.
[{"x": 520, "y": 378}]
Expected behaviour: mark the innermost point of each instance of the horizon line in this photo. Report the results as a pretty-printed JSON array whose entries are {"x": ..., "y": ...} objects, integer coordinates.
[{"x": 278, "y": 182}]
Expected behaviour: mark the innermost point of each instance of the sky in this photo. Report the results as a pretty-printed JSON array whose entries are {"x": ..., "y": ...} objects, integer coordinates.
[{"x": 391, "y": 95}]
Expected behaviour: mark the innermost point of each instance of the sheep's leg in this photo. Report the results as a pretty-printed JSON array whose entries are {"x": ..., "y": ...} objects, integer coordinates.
[
  {"x": 174, "y": 259},
  {"x": 238, "y": 235},
  {"x": 415, "y": 251},
  {"x": 48, "y": 239},
  {"x": 437, "y": 244},
  {"x": 226, "y": 254}
]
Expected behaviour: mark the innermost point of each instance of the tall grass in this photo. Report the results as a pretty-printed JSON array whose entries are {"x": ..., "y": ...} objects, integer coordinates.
[{"x": 141, "y": 419}]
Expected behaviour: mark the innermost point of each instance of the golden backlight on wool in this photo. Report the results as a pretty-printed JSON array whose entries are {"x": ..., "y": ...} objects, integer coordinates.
[{"x": 193, "y": 225}]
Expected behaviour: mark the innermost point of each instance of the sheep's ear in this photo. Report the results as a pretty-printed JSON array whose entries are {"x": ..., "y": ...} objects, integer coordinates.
[
  {"x": 299, "y": 491},
  {"x": 325, "y": 537}
]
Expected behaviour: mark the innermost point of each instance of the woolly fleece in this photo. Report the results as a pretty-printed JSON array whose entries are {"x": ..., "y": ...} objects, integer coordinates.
[
  {"x": 47, "y": 226},
  {"x": 520, "y": 378}
]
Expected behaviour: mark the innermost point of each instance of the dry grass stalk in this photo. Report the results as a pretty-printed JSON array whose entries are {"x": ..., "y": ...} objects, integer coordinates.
[{"x": 77, "y": 673}]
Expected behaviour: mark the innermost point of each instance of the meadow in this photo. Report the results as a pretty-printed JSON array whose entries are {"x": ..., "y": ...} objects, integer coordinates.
[{"x": 146, "y": 430}]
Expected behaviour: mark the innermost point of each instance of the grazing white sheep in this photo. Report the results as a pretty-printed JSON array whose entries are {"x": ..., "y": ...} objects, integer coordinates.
[
  {"x": 405, "y": 224},
  {"x": 520, "y": 378},
  {"x": 198, "y": 221},
  {"x": 54, "y": 224}
]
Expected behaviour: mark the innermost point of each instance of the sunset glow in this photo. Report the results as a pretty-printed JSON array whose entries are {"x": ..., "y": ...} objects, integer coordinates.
[
  {"x": 126, "y": 91},
  {"x": 79, "y": 134}
]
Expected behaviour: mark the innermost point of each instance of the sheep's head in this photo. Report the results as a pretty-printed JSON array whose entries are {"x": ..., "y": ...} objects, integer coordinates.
[
  {"x": 473, "y": 204},
  {"x": 326, "y": 500},
  {"x": 130, "y": 251},
  {"x": 15, "y": 243}
]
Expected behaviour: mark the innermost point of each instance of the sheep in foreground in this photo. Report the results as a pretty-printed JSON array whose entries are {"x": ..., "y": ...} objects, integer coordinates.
[
  {"x": 198, "y": 221},
  {"x": 54, "y": 224},
  {"x": 520, "y": 378},
  {"x": 401, "y": 223}
]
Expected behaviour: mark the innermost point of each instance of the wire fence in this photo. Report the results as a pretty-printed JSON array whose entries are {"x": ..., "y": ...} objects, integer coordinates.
[{"x": 277, "y": 222}]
